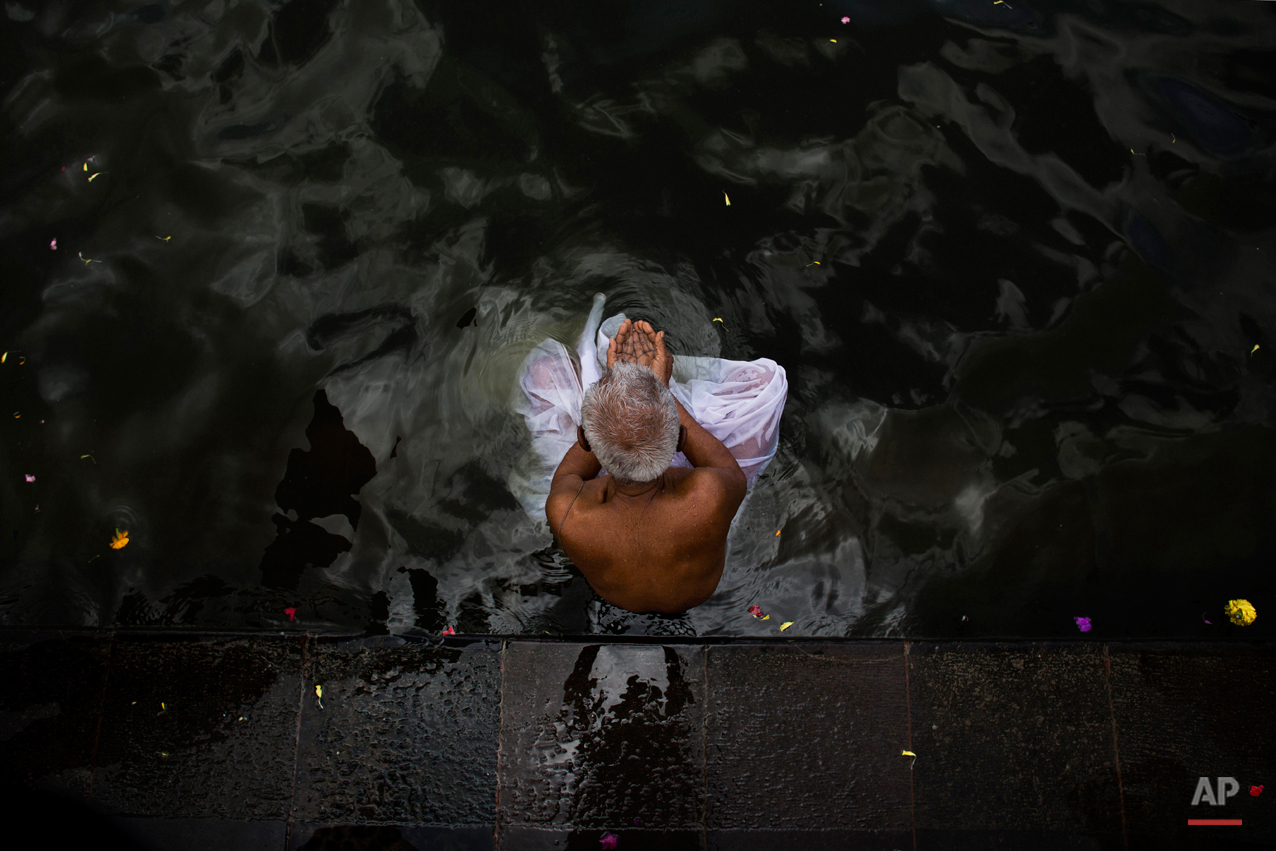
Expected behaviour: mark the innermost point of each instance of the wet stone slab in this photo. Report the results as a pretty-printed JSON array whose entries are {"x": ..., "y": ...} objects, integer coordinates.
[
  {"x": 1016, "y": 840},
  {"x": 808, "y": 737},
  {"x": 49, "y": 708},
  {"x": 203, "y": 728},
  {"x": 406, "y": 734},
  {"x": 157, "y": 834},
  {"x": 1016, "y": 738},
  {"x": 809, "y": 840},
  {"x": 524, "y": 838},
  {"x": 1183, "y": 713},
  {"x": 369, "y": 837},
  {"x": 598, "y": 736}
]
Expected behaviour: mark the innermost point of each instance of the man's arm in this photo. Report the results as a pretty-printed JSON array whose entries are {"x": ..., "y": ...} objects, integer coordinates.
[
  {"x": 706, "y": 452},
  {"x": 576, "y": 468}
]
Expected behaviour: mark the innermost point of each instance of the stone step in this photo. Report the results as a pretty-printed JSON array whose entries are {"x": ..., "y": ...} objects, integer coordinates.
[{"x": 185, "y": 740}]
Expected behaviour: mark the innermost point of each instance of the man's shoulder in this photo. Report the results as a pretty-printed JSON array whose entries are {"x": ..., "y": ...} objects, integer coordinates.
[
  {"x": 706, "y": 481},
  {"x": 560, "y": 499}
]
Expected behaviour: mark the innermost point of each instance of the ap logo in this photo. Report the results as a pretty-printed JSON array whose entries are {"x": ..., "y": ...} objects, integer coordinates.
[{"x": 1227, "y": 787}]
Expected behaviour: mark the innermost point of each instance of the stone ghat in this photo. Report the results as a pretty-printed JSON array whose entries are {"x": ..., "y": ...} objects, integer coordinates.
[{"x": 179, "y": 740}]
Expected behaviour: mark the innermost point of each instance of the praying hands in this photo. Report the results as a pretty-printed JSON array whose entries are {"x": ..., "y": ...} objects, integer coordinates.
[{"x": 638, "y": 342}]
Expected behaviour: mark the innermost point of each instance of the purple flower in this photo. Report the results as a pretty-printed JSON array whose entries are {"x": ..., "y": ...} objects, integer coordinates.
[
  {"x": 609, "y": 841},
  {"x": 1083, "y": 624},
  {"x": 30, "y": 478}
]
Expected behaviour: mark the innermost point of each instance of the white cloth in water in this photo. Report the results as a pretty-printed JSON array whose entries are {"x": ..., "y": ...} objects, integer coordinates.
[{"x": 738, "y": 402}]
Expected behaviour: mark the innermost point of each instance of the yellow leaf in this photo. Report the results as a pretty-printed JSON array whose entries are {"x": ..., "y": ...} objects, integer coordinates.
[
  {"x": 907, "y": 753},
  {"x": 785, "y": 625},
  {"x": 728, "y": 197},
  {"x": 120, "y": 540}
]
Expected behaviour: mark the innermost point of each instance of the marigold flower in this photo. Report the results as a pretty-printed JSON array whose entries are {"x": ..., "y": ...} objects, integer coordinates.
[
  {"x": 1241, "y": 612},
  {"x": 120, "y": 540}
]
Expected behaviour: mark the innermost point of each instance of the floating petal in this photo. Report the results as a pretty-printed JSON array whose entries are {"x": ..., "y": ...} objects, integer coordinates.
[{"x": 1241, "y": 612}]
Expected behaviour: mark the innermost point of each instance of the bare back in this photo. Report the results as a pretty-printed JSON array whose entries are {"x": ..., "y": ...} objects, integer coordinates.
[{"x": 658, "y": 551}]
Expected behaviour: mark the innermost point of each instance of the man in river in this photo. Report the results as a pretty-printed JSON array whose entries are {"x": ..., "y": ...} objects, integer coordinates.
[
  {"x": 649, "y": 537},
  {"x": 641, "y": 460}
]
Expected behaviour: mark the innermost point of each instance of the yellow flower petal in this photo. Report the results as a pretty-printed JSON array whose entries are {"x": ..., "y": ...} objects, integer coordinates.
[
  {"x": 785, "y": 625},
  {"x": 120, "y": 540},
  {"x": 907, "y": 753},
  {"x": 728, "y": 197}
]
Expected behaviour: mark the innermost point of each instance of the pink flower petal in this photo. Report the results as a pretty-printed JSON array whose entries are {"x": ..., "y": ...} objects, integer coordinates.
[
  {"x": 54, "y": 244},
  {"x": 30, "y": 478},
  {"x": 449, "y": 631},
  {"x": 756, "y": 611},
  {"x": 846, "y": 20},
  {"x": 1083, "y": 624},
  {"x": 291, "y": 613},
  {"x": 609, "y": 840}
]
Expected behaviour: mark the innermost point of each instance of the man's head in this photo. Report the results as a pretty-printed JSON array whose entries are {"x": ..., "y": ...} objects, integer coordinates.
[{"x": 630, "y": 422}]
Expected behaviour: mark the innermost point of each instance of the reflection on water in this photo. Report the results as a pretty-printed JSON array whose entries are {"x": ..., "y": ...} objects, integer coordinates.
[{"x": 1015, "y": 258}]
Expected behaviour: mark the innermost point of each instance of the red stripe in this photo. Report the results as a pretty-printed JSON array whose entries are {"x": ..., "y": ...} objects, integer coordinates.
[{"x": 1213, "y": 821}]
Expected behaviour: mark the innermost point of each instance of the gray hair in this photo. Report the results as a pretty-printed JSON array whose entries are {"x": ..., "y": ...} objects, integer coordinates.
[{"x": 631, "y": 423}]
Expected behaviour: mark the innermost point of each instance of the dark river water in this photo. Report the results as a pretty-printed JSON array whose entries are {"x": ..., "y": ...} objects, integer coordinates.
[{"x": 268, "y": 272}]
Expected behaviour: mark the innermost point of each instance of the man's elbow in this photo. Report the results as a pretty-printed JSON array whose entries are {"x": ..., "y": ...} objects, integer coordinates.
[{"x": 738, "y": 482}]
